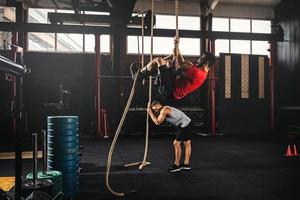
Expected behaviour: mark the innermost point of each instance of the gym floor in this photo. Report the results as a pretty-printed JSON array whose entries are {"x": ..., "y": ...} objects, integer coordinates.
[{"x": 223, "y": 167}]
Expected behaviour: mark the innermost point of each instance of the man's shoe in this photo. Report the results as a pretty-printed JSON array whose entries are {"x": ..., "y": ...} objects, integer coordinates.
[
  {"x": 174, "y": 168},
  {"x": 185, "y": 167},
  {"x": 133, "y": 69}
]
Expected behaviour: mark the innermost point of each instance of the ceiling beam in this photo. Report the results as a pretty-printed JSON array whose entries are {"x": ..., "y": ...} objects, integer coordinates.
[
  {"x": 61, "y": 18},
  {"x": 212, "y": 4},
  {"x": 56, "y": 18},
  {"x": 55, "y": 4},
  {"x": 53, "y": 28},
  {"x": 207, "y": 6}
]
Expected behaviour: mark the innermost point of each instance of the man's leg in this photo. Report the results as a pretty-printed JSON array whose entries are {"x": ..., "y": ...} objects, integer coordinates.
[
  {"x": 188, "y": 151},
  {"x": 177, "y": 148},
  {"x": 165, "y": 83},
  {"x": 147, "y": 70},
  {"x": 187, "y": 155}
]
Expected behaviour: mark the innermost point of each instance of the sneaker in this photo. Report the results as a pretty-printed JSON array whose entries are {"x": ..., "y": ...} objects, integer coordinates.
[
  {"x": 174, "y": 168},
  {"x": 133, "y": 69},
  {"x": 185, "y": 167}
]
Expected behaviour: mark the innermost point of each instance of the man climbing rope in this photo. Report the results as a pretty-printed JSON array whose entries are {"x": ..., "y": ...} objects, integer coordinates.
[
  {"x": 176, "y": 77},
  {"x": 158, "y": 114}
]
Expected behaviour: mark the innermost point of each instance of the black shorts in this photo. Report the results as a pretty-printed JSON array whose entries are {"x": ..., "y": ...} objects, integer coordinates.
[
  {"x": 184, "y": 134},
  {"x": 165, "y": 82}
]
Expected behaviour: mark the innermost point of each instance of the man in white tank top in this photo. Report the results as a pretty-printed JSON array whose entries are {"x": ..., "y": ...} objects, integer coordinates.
[{"x": 159, "y": 114}]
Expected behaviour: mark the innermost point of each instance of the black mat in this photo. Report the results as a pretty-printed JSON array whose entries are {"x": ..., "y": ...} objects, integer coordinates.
[{"x": 223, "y": 168}]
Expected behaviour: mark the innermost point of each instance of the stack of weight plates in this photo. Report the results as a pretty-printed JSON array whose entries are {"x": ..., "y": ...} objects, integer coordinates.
[
  {"x": 54, "y": 176},
  {"x": 44, "y": 185},
  {"x": 63, "y": 147}
]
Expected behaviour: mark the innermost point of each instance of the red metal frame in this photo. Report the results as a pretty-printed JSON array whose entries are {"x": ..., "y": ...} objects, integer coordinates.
[
  {"x": 213, "y": 92},
  {"x": 210, "y": 46},
  {"x": 98, "y": 91}
]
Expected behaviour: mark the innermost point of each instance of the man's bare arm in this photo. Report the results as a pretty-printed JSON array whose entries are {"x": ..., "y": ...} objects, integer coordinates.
[{"x": 162, "y": 115}]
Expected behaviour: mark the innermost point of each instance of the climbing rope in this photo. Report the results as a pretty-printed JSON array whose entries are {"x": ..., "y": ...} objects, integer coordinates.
[
  {"x": 144, "y": 162},
  {"x": 175, "y": 55},
  {"x": 176, "y": 15}
]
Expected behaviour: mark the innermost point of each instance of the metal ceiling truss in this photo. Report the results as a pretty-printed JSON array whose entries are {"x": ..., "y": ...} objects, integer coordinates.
[{"x": 54, "y": 28}]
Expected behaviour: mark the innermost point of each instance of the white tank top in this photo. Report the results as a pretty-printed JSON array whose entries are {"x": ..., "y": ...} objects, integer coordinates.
[{"x": 177, "y": 118}]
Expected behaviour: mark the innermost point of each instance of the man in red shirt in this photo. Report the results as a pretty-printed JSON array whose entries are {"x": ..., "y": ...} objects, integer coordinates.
[{"x": 177, "y": 78}]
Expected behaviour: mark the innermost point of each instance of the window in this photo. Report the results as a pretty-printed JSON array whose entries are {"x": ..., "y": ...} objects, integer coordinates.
[
  {"x": 240, "y": 46},
  {"x": 65, "y": 11},
  {"x": 184, "y": 22},
  {"x": 240, "y": 25},
  {"x": 6, "y": 38},
  {"x": 41, "y": 41},
  {"x": 163, "y": 45},
  {"x": 189, "y": 46},
  {"x": 36, "y": 15},
  {"x": 221, "y": 46},
  {"x": 261, "y": 26},
  {"x": 220, "y": 24},
  {"x": 90, "y": 43},
  {"x": 7, "y": 14},
  {"x": 69, "y": 42},
  {"x": 260, "y": 47},
  {"x": 64, "y": 42},
  {"x": 96, "y": 13},
  {"x": 89, "y": 40}
]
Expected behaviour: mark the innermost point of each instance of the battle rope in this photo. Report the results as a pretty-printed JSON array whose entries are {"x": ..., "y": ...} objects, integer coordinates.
[
  {"x": 109, "y": 159},
  {"x": 112, "y": 147}
]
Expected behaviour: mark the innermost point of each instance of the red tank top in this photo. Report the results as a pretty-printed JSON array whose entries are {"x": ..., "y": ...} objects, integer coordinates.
[{"x": 194, "y": 78}]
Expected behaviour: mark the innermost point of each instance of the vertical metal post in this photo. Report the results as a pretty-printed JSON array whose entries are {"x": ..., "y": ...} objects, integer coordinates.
[
  {"x": 105, "y": 124},
  {"x": 213, "y": 92},
  {"x": 45, "y": 150},
  {"x": 17, "y": 99},
  {"x": 272, "y": 65},
  {"x": 203, "y": 20},
  {"x": 20, "y": 18},
  {"x": 98, "y": 91},
  {"x": 203, "y": 43},
  {"x": 25, "y": 14},
  {"x": 212, "y": 85},
  {"x": 18, "y": 132},
  {"x": 34, "y": 152}
]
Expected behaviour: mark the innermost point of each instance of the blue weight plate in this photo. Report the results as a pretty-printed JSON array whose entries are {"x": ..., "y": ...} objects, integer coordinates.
[
  {"x": 59, "y": 126},
  {"x": 60, "y": 163},
  {"x": 65, "y": 168},
  {"x": 62, "y": 118},
  {"x": 62, "y": 151},
  {"x": 53, "y": 143},
  {"x": 63, "y": 157},
  {"x": 63, "y": 139},
  {"x": 58, "y": 132}
]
